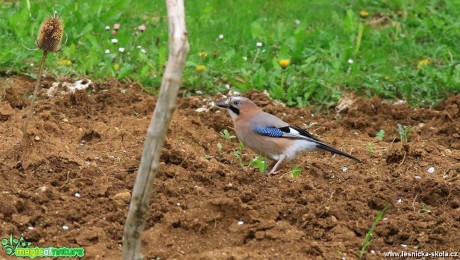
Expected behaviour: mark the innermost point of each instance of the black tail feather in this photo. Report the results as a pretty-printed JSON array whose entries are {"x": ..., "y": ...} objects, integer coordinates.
[{"x": 333, "y": 150}]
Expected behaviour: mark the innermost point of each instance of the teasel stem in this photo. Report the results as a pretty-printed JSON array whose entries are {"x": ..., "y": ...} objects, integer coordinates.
[{"x": 37, "y": 88}]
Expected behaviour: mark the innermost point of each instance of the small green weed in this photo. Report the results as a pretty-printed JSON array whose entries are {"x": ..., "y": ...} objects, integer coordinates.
[
  {"x": 226, "y": 135},
  {"x": 238, "y": 155},
  {"x": 219, "y": 148},
  {"x": 296, "y": 171},
  {"x": 368, "y": 239},
  {"x": 380, "y": 134},
  {"x": 371, "y": 147},
  {"x": 260, "y": 163},
  {"x": 424, "y": 208},
  {"x": 404, "y": 132}
]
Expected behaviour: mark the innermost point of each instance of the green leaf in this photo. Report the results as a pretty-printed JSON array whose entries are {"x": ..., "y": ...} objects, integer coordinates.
[
  {"x": 296, "y": 171},
  {"x": 380, "y": 134}
]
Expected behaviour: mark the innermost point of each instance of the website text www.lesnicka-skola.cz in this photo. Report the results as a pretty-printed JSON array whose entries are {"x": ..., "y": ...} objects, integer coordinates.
[{"x": 419, "y": 254}]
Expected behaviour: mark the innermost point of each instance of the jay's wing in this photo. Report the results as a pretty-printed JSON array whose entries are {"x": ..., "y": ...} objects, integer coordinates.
[{"x": 294, "y": 132}]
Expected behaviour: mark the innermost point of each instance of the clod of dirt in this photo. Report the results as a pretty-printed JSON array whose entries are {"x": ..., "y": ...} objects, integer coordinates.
[
  {"x": 8, "y": 209},
  {"x": 6, "y": 111},
  {"x": 397, "y": 153},
  {"x": 89, "y": 136},
  {"x": 21, "y": 219},
  {"x": 91, "y": 236},
  {"x": 122, "y": 197}
]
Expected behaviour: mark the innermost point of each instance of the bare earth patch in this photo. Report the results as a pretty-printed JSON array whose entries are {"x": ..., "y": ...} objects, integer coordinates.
[{"x": 205, "y": 205}]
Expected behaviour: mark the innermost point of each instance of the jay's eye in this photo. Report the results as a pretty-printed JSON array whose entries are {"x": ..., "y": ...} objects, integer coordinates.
[{"x": 236, "y": 103}]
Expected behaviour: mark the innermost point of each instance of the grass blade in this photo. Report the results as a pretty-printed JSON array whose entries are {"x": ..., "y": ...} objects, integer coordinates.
[{"x": 368, "y": 239}]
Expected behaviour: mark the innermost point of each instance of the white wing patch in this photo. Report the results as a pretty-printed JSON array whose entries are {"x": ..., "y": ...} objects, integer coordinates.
[{"x": 294, "y": 134}]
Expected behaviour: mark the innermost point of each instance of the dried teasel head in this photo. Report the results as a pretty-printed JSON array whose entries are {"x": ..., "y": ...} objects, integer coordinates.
[{"x": 50, "y": 34}]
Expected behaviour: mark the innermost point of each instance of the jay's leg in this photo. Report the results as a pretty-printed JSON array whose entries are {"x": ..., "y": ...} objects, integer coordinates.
[{"x": 282, "y": 157}]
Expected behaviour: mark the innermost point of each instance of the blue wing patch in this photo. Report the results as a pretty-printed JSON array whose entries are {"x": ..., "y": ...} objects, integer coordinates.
[{"x": 269, "y": 131}]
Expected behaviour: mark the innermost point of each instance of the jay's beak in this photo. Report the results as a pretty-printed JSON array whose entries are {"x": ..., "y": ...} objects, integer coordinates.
[{"x": 223, "y": 104}]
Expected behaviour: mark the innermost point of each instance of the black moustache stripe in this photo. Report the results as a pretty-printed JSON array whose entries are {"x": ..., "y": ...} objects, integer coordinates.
[{"x": 234, "y": 110}]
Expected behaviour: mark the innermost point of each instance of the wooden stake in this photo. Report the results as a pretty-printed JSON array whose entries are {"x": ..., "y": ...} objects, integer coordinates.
[{"x": 156, "y": 133}]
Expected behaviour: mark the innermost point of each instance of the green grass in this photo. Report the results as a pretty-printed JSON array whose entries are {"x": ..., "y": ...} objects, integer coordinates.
[
  {"x": 368, "y": 238},
  {"x": 403, "y": 49}
]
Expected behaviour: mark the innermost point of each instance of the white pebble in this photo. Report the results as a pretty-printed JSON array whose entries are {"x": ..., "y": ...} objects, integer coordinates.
[
  {"x": 431, "y": 170},
  {"x": 31, "y": 228},
  {"x": 344, "y": 169},
  {"x": 240, "y": 222},
  {"x": 400, "y": 101},
  {"x": 77, "y": 195},
  {"x": 201, "y": 109},
  {"x": 399, "y": 201},
  {"x": 65, "y": 227},
  {"x": 372, "y": 252},
  {"x": 417, "y": 177}
]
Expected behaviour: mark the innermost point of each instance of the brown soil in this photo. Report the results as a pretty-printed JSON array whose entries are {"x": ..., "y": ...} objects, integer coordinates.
[{"x": 205, "y": 205}]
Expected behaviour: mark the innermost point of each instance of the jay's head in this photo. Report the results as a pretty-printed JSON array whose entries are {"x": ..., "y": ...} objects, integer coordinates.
[{"x": 238, "y": 106}]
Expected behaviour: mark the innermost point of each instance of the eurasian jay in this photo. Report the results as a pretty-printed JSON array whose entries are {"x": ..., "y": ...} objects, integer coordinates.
[{"x": 270, "y": 136}]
